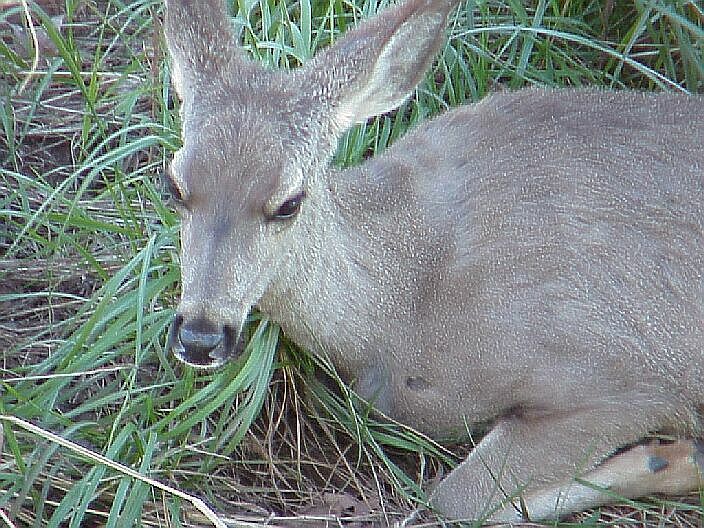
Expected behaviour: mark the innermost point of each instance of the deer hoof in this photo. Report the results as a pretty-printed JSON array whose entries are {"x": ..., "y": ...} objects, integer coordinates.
[{"x": 656, "y": 463}]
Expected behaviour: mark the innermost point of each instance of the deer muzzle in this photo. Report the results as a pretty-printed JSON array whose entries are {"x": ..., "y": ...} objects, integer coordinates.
[{"x": 202, "y": 343}]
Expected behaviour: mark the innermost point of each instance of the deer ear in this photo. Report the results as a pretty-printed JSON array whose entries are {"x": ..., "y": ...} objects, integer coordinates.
[
  {"x": 201, "y": 42},
  {"x": 376, "y": 66}
]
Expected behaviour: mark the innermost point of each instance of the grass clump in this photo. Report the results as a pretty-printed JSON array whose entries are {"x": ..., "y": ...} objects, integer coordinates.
[{"x": 89, "y": 273}]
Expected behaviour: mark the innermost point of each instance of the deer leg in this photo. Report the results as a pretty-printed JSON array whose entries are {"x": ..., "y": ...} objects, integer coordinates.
[
  {"x": 669, "y": 469},
  {"x": 525, "y": 465}
]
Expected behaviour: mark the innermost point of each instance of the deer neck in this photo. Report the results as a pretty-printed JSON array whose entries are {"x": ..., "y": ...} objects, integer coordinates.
[{"x": 332, "y": 304}]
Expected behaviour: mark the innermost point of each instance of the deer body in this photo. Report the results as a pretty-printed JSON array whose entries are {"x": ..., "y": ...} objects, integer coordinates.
[
  {"x": 431, "y": 270},
  {"x": 533, "y": 261}
]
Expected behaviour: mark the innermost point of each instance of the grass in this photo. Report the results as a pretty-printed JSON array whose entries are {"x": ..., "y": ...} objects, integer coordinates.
[{"x": 89, "y": 273}]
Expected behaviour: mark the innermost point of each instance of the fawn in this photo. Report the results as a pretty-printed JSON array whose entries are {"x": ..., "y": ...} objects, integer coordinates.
[{"x": 534, "y": 261}]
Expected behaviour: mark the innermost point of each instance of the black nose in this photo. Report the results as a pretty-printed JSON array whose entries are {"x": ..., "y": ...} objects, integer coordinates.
[{"x": 202, "y": 343}]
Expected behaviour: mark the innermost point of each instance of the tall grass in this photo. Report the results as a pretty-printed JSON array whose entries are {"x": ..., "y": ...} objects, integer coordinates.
[{"x": 89, "y": 267}]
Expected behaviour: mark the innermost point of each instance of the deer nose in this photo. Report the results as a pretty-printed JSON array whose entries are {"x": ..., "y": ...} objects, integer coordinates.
[{"x": 200, "y": 342}]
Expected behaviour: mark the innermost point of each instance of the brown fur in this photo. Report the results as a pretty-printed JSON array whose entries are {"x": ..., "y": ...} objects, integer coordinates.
[{"x": 534, "y": 261}]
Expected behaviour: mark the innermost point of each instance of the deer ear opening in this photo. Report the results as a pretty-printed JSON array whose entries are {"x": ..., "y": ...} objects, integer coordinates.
[{"x": 376, "y": 66}]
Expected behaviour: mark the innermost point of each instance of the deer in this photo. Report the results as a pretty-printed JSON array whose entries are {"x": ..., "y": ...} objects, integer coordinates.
[{"x": 533, "y": 261}]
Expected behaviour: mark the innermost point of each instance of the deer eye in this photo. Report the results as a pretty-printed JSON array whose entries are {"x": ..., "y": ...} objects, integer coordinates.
[
  {"x": 174, "y": 193},
  {"x": 289, "y": 208}
]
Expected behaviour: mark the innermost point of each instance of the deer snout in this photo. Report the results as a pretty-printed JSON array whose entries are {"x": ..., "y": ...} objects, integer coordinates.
[{"x": 202, "y": 343}]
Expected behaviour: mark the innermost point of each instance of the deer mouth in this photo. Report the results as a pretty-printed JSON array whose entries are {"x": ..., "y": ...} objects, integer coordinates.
[{"x": 201, "y": 343}]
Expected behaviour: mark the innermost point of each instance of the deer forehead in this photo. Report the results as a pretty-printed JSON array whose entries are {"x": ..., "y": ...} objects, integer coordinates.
[{"x": 239, "y": 157}]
